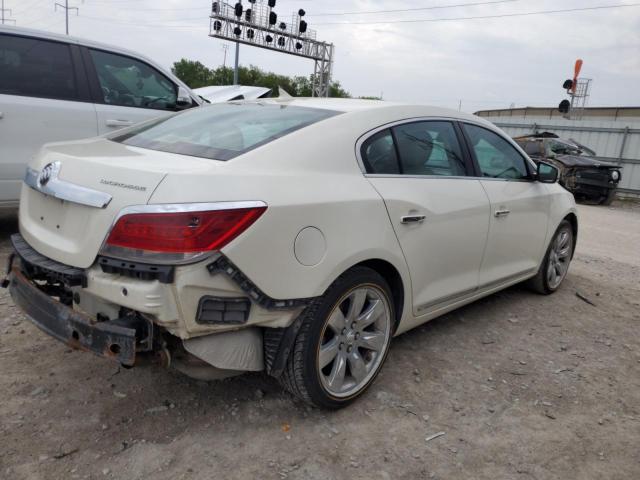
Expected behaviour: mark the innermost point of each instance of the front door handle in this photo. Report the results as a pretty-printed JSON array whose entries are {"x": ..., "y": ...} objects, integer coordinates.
[
  {"x": 119, "y": 123},
  {"x": 502, "y": 213},
  {"x": 412, "y": 219}
]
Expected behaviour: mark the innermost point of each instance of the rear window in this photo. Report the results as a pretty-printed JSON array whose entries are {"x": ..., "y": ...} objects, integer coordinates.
[{"x": 223, "y": 131}]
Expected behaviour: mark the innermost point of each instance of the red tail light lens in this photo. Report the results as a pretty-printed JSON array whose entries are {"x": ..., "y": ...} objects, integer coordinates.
[{"x": 178, "y": 235}]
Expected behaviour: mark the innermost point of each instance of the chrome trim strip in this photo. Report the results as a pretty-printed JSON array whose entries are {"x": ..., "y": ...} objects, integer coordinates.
[
  {"x": 51, "y": 185},
  {"x": 187, "y": 207}
]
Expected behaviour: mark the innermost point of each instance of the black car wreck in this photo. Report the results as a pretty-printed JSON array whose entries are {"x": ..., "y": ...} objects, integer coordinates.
[{"x": 581, "y": 172}]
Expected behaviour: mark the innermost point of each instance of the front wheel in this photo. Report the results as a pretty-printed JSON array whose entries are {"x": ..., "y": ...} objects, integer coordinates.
[
  {"x": 555, "y": 264},
  {"x": 343, "y": 340}
]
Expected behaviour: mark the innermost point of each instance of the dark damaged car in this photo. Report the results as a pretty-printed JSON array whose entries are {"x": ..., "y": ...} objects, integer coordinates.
[{"x": 581, "y": 172}]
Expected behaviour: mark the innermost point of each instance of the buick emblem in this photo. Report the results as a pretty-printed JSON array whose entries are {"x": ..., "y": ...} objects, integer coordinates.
[{"x": 47, "y": 174}]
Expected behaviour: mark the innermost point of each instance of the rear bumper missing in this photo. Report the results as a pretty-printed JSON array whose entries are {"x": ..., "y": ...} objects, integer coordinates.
[{"x": 75, "y": 329}]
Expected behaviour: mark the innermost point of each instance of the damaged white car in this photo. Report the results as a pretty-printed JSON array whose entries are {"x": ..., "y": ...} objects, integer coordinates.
[{"x": 291, "y": 236}]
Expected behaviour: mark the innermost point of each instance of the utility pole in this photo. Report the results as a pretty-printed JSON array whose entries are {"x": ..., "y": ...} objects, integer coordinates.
[
  {"x": 4, "y": 19},
  {"x": 66, "y": 8},
  {"x": 225, "y": 47}
]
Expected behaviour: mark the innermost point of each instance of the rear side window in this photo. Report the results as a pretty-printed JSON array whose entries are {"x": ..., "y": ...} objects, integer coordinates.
[
  {"x": 127, "y": 82},
  {"x": 36, "y": 68},
  {"x": 429, "y": 148},
  {"x": 221, "y": 131},
  {"x": 379, "y": 154}
]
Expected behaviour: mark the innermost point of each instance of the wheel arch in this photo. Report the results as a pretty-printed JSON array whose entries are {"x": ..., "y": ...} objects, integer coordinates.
[
  {"x": 572, "y": 218},
  {"x": 392, "y": 276}
]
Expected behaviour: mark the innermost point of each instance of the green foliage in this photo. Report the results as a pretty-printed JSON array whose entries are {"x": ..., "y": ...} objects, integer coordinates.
[{"x": 196, "y": 75}]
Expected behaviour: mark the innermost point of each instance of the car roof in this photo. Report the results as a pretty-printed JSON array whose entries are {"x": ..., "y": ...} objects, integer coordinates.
[
  {"x": 346, "y": 105},
  {"x": 69, "y": 39}
]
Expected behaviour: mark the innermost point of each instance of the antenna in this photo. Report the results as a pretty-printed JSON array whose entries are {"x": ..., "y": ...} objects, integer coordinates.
[
  {"x": 258, "y": 25},
  {"x": 4, "y": 19},
  {"x": 66, "y": 8}
]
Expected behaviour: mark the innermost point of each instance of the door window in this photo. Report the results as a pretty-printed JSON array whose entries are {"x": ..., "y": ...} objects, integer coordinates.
[
  {"x": 496, "y": 157},
  {"x": 36, "y": 68},
  {"x": 379, "y": 154},
  {"x": 130, "y": 83},
  {"x": 429, "y": 148}
]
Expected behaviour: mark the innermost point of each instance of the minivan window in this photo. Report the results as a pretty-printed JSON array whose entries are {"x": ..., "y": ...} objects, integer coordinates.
[
  {"x": 127, "y": 82},
  {"x": 222, "y": 131},
  {"x": 36, "y": 68}
]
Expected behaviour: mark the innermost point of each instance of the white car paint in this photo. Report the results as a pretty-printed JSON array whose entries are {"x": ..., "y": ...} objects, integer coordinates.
[
  {"x": 28, "y": 122},
  {"x": 225, "y": 93},
  {"x": 324, "y": 215}
]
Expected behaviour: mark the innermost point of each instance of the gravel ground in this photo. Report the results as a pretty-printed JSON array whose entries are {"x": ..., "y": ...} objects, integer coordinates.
[{"x": 517, "y": 386}]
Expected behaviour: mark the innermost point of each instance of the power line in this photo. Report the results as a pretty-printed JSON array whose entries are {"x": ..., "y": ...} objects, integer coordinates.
[
  {"x": 434, "y": 7},
  {"x": 504, "y": 15}
]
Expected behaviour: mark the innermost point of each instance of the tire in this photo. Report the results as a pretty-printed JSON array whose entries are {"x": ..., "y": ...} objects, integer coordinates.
[
  {"x": 608, "y": 198},
  {"x": 558, "y": 255},
  {"x": 341, "y": 329}
]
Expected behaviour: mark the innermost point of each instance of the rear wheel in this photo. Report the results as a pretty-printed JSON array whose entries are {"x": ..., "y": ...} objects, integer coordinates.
[
  {"x": 556, "y": 261},
  {"x": 343, "y": 340}
]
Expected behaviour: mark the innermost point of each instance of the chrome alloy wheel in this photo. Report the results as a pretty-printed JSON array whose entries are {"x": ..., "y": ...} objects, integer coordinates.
[
  {"x": 354, "y": 341},
  {"x": 559, "y": 257}
]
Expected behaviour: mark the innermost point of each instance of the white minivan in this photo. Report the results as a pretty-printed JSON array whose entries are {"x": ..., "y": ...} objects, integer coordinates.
[{"x": 55, "y": 87}]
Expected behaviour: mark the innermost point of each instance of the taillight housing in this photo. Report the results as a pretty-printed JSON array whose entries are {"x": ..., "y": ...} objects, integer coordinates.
[{"x": 178, "y": 233}]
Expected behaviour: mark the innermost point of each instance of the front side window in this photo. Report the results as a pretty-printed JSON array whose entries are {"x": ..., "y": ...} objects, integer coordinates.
[
  {"x": 379, "y": 154},
  {"x": 429, "y": 148},
  {"x": 127, "y": 82},
  {"x": 496, "y": 157},
  {"x": 36, "y": 68},
  {"x": 221, "y": 131}
]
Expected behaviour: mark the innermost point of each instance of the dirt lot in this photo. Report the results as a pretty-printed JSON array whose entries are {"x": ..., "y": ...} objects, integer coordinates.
[{"x": 523, "y": 387}]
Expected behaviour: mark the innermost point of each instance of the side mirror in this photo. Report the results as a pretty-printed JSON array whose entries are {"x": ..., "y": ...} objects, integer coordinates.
[
  {"x": 547, "y": 173},
  {"x": 184, "y": 98}
]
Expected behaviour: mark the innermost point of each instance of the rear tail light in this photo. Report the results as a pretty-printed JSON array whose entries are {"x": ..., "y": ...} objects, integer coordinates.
[{"x": 178, "y": 233}]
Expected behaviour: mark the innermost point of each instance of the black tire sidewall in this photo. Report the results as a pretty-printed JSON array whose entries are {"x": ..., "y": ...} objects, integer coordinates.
[
  {"x": 353, "y": 279},
  {"x": 543, "y": 269}
]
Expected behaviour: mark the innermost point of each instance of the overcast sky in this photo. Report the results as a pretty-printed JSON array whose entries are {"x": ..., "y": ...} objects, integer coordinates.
[{"x": 485, "y": 63}]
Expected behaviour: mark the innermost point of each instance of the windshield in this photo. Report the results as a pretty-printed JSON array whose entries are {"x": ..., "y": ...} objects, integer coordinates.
[{"x": 222, "y": 131}]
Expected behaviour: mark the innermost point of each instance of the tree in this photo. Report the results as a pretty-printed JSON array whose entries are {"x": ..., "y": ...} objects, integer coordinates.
[
  {"x": 193, "y": 73},
  {"x": 196, "y": 75}
]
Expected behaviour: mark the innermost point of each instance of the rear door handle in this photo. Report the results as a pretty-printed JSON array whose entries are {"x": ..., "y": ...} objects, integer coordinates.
[
  {"x": 502, "y": 213},
  {"x": 412, "y": 219},
  {"x": 119, "y": 123}
]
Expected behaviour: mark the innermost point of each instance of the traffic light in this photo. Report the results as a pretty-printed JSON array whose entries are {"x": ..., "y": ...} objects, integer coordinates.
[
  {"x": 273, "y": 18},
  {"x": 564, "y": 106},
  {"x": 238, "y": 9},
  {"x": 272, "y": 3},
  {"x": 303, "y": 26}
]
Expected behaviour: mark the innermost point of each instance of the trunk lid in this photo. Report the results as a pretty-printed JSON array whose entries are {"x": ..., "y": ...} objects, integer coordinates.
[{"x": 72, "y": 233}]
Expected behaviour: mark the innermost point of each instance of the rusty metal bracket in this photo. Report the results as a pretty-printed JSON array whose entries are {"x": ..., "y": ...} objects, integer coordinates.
[{"x": 75, "y": 329}]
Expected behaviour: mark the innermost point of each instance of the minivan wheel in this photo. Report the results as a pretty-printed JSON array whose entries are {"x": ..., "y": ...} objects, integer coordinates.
[
  {"x": 556, "y": 261},
  {"x": 343, "y": 340}
]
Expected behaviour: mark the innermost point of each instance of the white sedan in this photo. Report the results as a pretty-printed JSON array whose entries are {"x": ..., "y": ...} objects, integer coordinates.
[{"x": 295, "y": 237}]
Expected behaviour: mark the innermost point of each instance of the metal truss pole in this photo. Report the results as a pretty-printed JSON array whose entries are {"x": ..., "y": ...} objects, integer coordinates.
[{"x": 235, "y": 69}]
